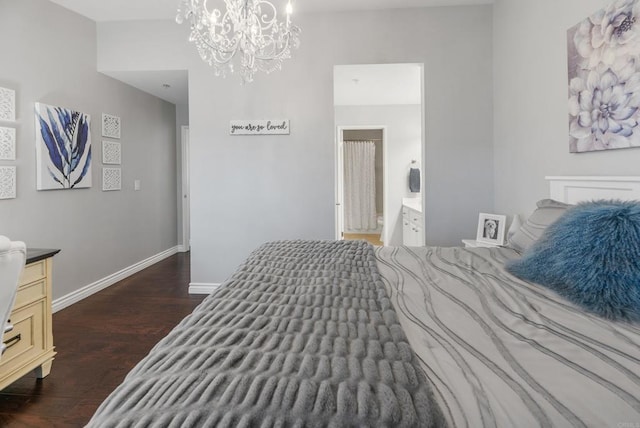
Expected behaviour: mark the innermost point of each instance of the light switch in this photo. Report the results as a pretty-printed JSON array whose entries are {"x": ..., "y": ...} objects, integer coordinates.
[{"x": 136, "y": 184}]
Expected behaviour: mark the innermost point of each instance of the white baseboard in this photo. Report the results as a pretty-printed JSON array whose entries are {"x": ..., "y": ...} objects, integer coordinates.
[
  {"x": 86, "y": 291},
  {"x": 182, "y": 248},
  {"x": 203, "y": 287}
]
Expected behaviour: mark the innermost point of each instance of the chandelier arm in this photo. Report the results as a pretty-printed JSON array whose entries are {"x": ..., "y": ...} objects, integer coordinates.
[
  {"x": 264, "y": 16},
  {"x": 281, "y": 53},
  {"x": 217, "y": 49},
  {"x": 248, "y": 31},
  {"x": 224, "y": 57}
]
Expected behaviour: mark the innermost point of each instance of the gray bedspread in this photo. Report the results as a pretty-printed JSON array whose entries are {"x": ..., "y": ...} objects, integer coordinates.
[
  {"x": 502, "y": 352},
  {"x": 302, "y": 335}
]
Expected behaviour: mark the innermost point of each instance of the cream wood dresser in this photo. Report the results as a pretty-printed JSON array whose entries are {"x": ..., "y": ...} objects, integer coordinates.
[{"x": 30, "y": 343}]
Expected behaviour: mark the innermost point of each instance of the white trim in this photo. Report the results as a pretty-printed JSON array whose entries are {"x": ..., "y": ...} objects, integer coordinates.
[
  {"x": 185, "y": 192},
  {"x": 590, "y": 178},
  {"x": 86, "y": 291},
  {"x": 423, "y": 153},
  {"x": 584, "y": 188},
  {"x": 339, "y": 177},
  {"x": 182, "y": 248},
  {"x": 203, "y": 287}
]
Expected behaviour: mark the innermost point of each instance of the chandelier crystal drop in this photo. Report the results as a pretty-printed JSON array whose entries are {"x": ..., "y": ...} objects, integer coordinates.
[{"x": 248, "y": 29}]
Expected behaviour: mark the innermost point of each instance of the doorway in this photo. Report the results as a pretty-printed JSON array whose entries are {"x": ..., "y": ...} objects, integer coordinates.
[
  {"x": 363, "y": 151},
  {"x": 386, "y": 98}
]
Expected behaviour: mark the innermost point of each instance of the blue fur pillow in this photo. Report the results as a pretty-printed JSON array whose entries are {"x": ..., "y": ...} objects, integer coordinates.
[{"x": 591, "y": 256}]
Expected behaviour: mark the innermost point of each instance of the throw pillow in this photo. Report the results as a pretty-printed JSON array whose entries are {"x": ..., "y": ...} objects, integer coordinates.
[{"x": 591, "y": 256}]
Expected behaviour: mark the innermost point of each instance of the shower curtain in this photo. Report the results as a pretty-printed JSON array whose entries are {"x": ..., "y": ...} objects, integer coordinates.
[{"x": 360, "y": 186}]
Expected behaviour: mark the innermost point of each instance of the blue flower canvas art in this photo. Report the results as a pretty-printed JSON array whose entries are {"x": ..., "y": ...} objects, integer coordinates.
[
  {"x": 63, "y": 148},
  {"x": 604, "y": 79}
]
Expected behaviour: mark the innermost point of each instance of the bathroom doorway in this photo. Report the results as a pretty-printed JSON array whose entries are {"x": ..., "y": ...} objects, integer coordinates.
[{"x": 386, "y": 98}]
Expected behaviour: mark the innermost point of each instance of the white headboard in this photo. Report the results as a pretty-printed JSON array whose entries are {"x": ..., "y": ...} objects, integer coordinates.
[{"x": 572, "y": 190}]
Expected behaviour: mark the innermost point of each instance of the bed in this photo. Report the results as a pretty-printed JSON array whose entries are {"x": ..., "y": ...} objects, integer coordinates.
[
  {"x": 506, "y": 353},
  {"x": 319, "y": 333}
]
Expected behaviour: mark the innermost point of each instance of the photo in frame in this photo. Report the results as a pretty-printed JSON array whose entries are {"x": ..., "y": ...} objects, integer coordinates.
[{"x": 491, "y": 228}]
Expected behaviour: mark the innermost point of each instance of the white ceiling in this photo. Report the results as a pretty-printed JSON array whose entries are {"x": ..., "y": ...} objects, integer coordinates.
[
  {"x": 119, "y": 10},
  {"x": 376, "y": 84},
  {"x": 177, "y": 93}
]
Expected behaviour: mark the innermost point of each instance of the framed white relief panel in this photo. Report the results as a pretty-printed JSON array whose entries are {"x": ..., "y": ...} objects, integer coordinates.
[
  {"x": 110, "y": 126},
  {"x": 111, "y": 153},
  {"x": 7, "y": 104},
  {"x": 111, "y": 179},
  {"x": 7, "y": 143},
  {"x": 7, "y": 182}
]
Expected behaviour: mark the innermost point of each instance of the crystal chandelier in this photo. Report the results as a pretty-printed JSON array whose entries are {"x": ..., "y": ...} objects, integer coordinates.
[{"x": 246, "y": 28}]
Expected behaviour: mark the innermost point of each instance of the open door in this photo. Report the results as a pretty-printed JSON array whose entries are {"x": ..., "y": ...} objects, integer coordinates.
[
  {"x": 186, "y": 196},
  {"x": 339, "y": 156}
]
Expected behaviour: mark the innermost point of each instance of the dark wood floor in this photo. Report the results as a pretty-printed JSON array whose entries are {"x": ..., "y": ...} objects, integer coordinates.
[{"x": 98, "y": 340}]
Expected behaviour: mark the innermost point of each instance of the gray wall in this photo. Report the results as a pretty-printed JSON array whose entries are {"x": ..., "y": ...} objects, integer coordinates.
[
  {"x": 49, "y": 56},
  {"x": 531, "y": 113},
  {"x": 248, "y": 190},
  {"x": 404, "y": 140}
]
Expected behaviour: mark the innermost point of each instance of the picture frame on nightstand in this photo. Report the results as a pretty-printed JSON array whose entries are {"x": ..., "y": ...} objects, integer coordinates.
[{"x": 491, "y": 228}]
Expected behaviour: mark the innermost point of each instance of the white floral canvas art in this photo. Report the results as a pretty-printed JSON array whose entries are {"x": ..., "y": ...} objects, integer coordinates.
[{"x": 604, "y": 79}]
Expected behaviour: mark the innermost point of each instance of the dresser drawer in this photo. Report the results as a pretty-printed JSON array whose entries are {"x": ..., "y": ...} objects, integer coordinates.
[
  {"x": 415, "y": 217},
  {"x": 33, "y": 272},
  {"x": 31, "y": 292},
  {"x": 26, "y": 341}
]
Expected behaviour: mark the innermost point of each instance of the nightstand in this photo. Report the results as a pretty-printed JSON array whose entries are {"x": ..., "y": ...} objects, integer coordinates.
[
  {"x": 30, "y": 343},
  {"x": 472, "y": 243}
]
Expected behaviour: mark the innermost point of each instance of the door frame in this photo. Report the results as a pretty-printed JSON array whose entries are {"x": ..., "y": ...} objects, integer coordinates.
[
  {"x": 339, "y": 177},
  {"x": 185, "y": 190}
]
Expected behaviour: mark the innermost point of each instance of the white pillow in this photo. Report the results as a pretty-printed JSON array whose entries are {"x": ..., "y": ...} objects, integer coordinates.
[
  {"x": 514, "y": 227},
  {"x": 548, "y": 212}
]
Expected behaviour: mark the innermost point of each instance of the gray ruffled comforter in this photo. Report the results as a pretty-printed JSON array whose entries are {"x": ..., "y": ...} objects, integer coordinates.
[{"x": 302, "y": 335}]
